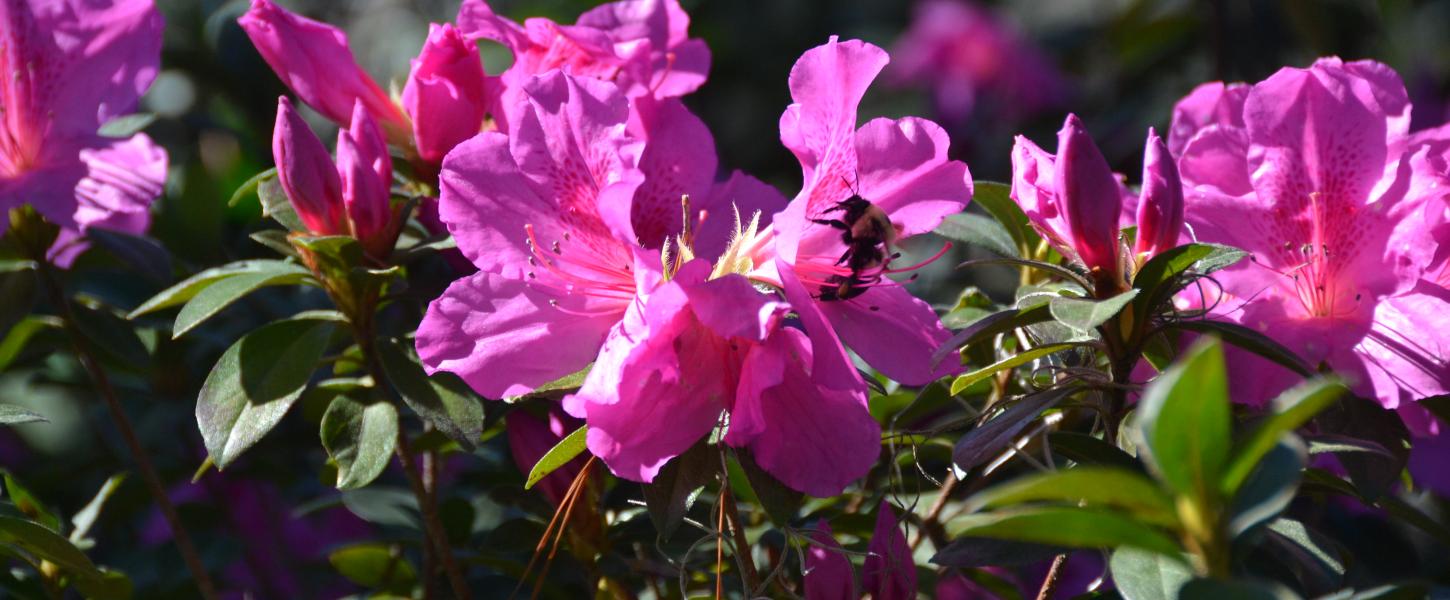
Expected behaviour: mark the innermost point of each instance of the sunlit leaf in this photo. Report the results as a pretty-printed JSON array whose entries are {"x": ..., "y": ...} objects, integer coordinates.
[{"x": 571, "y": 446}]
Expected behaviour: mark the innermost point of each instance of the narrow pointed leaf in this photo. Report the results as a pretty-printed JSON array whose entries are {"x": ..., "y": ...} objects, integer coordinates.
[{"x": 571, "y": 446}]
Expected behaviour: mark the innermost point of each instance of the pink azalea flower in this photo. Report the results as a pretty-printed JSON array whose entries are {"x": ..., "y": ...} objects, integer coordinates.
[
  {"x": 71, "y": 66},
  {"x": 828, "y": 573},
  {"x": 446, "y": 93},
  {"x": 641, "y": 45},
  {"x": 544, "y": 213},
  {"x": 901, "y": 167},
  {"x": 1340, "y": 208},
  {"x": 962, "y": 52},
  {"x": 889, "y": 572},
  {"x": 351, "y": 197},
  {"x": 316, "y": 63}
]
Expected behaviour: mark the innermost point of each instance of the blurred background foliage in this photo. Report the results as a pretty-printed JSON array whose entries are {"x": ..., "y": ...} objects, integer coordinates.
[{"x": 274, "y": 520}]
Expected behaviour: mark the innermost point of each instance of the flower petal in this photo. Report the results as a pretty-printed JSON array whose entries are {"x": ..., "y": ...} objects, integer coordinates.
[
  {"x": 905, "y": 171},
  {"x": 893, "y": 331}
]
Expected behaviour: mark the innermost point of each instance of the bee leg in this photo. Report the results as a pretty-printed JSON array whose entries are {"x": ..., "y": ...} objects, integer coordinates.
[{"x": 837, "y": 223}]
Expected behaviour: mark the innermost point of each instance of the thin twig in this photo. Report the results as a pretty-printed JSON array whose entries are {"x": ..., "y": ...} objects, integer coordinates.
[
  {"x": 432, "y": 525},
  {"x": 1054, "y": 574},
  {"x": 128, "y": 433}
]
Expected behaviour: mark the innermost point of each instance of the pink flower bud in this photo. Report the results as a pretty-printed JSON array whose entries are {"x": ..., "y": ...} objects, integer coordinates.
[
  {"x": 1089, "y": 196},
  {"x": 445, "y": 93},
  {"x": 889, "y": 572},
  {"x": 1160, "y": 207},
  {"x": 828, "y": 571},
  {"x": 307, "y": 174},
  {"x": 314, "y": 60},
  {"x": 367, "y": 179}
]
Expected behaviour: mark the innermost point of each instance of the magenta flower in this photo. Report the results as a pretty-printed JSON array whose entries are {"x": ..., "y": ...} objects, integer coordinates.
[
  {"x": 71, "y": 67},
  {"x": 531, "y": 437},
  {"x": 1340, "y": 209},
  {"x": 641, "y": 45},
  {"x": 314, "y": 60},
  {"x": 1160, "y": 205},
  {"x": 961, "y": 52},
  {"x": 1072, "y": 199},
  {"x": 900, "y": 167},
  {"x": 544, "y": 213},
  {"x": 828, "y": 573},
  {"x": 352, "y": 197},
  {"x": 889, "y": 572},
  {"x": 446, "y": 93}
]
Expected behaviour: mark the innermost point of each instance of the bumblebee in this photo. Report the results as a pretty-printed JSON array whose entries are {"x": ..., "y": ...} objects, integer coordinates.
[{"x": 868, "y": 234}]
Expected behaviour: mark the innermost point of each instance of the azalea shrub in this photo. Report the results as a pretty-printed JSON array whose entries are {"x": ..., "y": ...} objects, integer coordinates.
[{"x": 527, "y": 326}]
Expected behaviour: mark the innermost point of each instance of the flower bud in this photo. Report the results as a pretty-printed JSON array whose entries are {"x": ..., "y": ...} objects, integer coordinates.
[
  {"x": 889, "y": 572},
  {"x": 314, "y": 60},
  {"x": 828, "y": 571},
  {"x": 367, "y": 179},
  {"x": 1089, "y": 196},
  {"x": 307, "y": 174},
  {"x": 445, "y": 93},
  {"x": 1160, "y": 207}
]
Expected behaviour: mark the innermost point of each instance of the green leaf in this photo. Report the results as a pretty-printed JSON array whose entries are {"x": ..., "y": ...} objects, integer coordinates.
[
  {"x": 188, "y": 288},
  {"x": 669, "y": 497},
  {"x": 571, "y": 446},
  {"x": 45, "y": 544},
  {"x": 250, "y": 186},
  {"x": 996, "y": 198},
  {"x": 1248, "y": 339},
  {"x": 11, "y": 414},
  {"x": 111, "y": 337},
  {"x": 1271, "y": 487},
  {"x": 126, "y": 126},
  {"x": 1183, "y": 422},
  {"x": 979, "y": 230},
  {"x": 213, "y": 298},
  {"x": 1086, "y": 486},
  {"x": 18, "y": 293},
  {"x": 1065, "y": 273},
  {"x": 1373, "y": 474},
  {"x": 1311, "y": 552},
  {"x": 1141, "y": 575},
  {"x": 1292, "y": 408},
  {"x": 28, "y": 504},
  {"x": 780, "y": 502},
  {"x": 442, "y": 399},
  {"x": 254, "y": 383},
  {"x": 275, "y": 204},
  {"x": 143, "y": 254},
  {"x": 1159, "y": 278},
  {"x": 82, "y": 522},
  {"x": 375, "y": 566},
  {"x": 989, "y": 326},
  {"x": 568, "y": 382},
  {"x": 1071, "y": 527},
  {"x": 986, "y": 441},
  {"x": 973, "y": 552},
  {"x": 1238, "y": 589},
  {"x": 1085, "y": 449},
  {"x": 962, "y": 382},
  {"x": 1085, "y": 315},
  {"x": 386, "y": 506},
  {"x": 275, "y": 239},
  {"x": 360, "y": 438},
  {"x": 111, "y": 585},
  {"x": 20, "y": 335}
]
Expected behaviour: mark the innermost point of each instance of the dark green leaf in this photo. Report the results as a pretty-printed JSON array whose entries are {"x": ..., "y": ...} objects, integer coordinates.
[
  {"x": 571, "y": 446},
  {"x": 250, "y": 186},
  {"x": 1085, "y": 315},
  {"x": 996, "y": 198},
  {"x": 1183, "y": 422},
  {"x": 989, "y": 326},
  {"x": 1292, "y": 408},
  {"x": 188, "y": 289},
  {"x": 112, "y": 337},
  {"x": 978, "y": 230},
  {"x": 1373, "y": 474},
  {"x": 17, "y": 297},
  {"x": 29, "y": 505},
  {"x": 45, "y": 544},
  {"x": 568, "y": 382},
  {"x": 276, "y": 239},
  {"x": 1065, "y": 273},
  {"x": 143, "y": 254},
  {"x": 1084, "y": 449},
  {"x": 275, "y": 204},
  {"x": 359, "y": 438},
  {"x": 386, "y": 506},
  {"x": 1159, "y": 278},
  {"x": 111, "y": 585},
  {"x": 1071, "y": 527},
  {"x": 254, "y": 383},
  {"x": 213, "y": 298},
  {"x": 962, "y": 382},
  {"x": 1248, "y": 339},
  {"x": 1238, "y": 589},
  {"x": 11, "y": 414},
  {"x": 780, "y": 502},
  {"x": 1313, "y": 556},
  {"x": 126, "y": 126},
  {"x": 1328, "y": 443},
  {"x": 1084, "y": 486},
  {"x": 970, "y": 552},
  {"x": 20, "y": 335},
  {"x": 375, "y": 566},
  {"x": 1271, "y": 486},
  {"x": 674, "y": 489},
  {"x": 986, "y": 441},
  {"x": 442, "y": 399},
  {"x": 1143, "y": 575}
]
